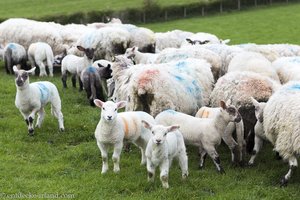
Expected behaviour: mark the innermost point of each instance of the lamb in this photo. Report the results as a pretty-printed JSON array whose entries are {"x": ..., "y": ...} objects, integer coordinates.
[
  {"x": 75, "y": 65},
  {"x": 166, "y": 144},
  {"x": 139, "y": 57},
  {"x": 40, "y": 53},
  {"x": 236, "y": 148},
  {"x": 105, "y": 71},
  {"x": 258, "y": 129},
  {"x": 205, "y": 133},
  {"x": 33, "y": 97},
  {"x": 14, "y": 54},
  {"x": 239, "y": 87},
  {"x": 252, "y": 61},
  {"x": 287, "y": 68},
  {"x": 114, "y": 127},
  {"x": 281, "y": 124}
]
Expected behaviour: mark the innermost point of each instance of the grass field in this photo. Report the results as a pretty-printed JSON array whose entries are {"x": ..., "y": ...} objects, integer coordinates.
[{"x": 69, "y": 163}]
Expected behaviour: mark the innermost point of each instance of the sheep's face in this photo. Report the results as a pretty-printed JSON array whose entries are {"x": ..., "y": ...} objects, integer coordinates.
[
  {"x": 159, "y": 132},
  {"x": 88, "y": 52},
  {"x": 130, "y": 52},
  {"x": 230, "y": 112},
  {"x": 105, "y": 72},
  {"x": 259, "y": 109},
  {"x": 109, "y": 109},
  {"x": 22, "y": 76}
]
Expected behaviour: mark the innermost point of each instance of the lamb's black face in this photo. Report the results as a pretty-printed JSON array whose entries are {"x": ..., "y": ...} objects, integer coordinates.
[{"x": 89, "y": 52}]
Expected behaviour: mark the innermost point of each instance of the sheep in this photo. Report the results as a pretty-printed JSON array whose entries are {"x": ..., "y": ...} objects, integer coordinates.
[
  {"x": 156, "y": 87},
  {"x": 115, "y": 127},
  {"x": 14, "y": 54},
  {"x": 236, "y": 148},
  {"x": 205, "y": 133},
  {"x": 105, "y": 71},
  {"x": 255, "y": 62},
  {"x": 201, "y": 38},
  {"x": 139, "y": 57},
  {"x": 38, "y": 53},
  {"x": 58, "y": 59},
  {"x": 75, "y": 65},
  {"x": 92, "y": 79},
  {"x": 166, "y": 144},
  {"x": 258, "y": 129},
  {"x": 33, "y": 97},
  {"x": 287, "y": 68},
  {"x": 281, "y": 124},
  {"x": 239, "y": 87}
]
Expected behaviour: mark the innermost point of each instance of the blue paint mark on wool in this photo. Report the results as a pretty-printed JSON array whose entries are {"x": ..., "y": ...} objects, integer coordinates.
[
  {"x": 173, "y": 112},
  {"x": 45, "y": 93},
  {"x": 11, "y": 46},
  {"x": 295, "y": 60},
  {"x": 91, "y": 69},
  {"x": 294, "y": 87}
]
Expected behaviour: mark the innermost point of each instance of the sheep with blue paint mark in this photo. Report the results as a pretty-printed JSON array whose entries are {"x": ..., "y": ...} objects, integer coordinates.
[
  {"x": 288, "y": 68},
  {"x": 281, "y": 124},
  {"x": 14, "y": 54},
  {"x": 40, "y": 55},
  {"x": 31, "y": 98}
]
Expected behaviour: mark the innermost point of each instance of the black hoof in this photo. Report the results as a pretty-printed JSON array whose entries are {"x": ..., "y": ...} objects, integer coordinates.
[
  {"x": 283, "y": 182},
  {"x": 221, "y": 171},
  {"x": 62, "y": 129}
]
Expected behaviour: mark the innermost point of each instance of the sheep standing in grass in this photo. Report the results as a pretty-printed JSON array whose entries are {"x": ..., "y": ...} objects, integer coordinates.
[
  {"x": 114, "y": 127},
  {"x": 32, "y": 98},
  {"x": 281, "y": 124},
  {"x": 14, "y": 54},
  {"x": 236, "y": 148},
  {"x": 40, "y": 53},
  {"x": 166, "y": 144},
  {"x": 205, "y": 133},
  {"x": 75, "y": 65}
]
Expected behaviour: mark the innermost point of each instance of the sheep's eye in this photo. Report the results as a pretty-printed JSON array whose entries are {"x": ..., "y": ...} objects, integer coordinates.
[
  {"x": 115, "y": 109},
  {"x": 165, "y": 133},
  {"x": 103, "y": 108},
  {"x": 24, "y": 76},
  {"x": 153, "y": 132},
  {"x": 231, "y": 110}
]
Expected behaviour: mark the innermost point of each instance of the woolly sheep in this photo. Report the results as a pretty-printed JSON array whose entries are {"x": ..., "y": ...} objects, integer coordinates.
[
  {"x": 183, "y": 86},
  {"x": 166, "y": 144},
  {"x": 281, "y": 124},
  {"x": 288, "y": 68},
  {"x": 236, "y": 148},
  {"x": 239, "y": 87},
  {"x": 14, "y": 54},
  {"x": 114, "y": 127},
  {"x": 33, "y": 97},
  {"x": 40, "y": 53},
  {"x": 254, "y": 62},
  {"x": 105, "y": 71},
  {"x": 205, "y": 133},
  {"x": 139, "y": 57},
  {"x": 201, "y": 38}
]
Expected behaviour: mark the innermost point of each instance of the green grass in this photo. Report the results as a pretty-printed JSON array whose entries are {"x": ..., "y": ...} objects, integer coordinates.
[{"x": 275, "y": 24}]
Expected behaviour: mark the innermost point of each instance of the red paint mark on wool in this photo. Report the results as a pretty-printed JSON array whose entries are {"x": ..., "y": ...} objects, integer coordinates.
[{"x": 147, "y": 76}]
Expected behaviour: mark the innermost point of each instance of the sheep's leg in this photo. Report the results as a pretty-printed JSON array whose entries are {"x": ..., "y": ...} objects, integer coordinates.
[
  {"x": 202, "y": 154},
  {"x": 32, "y": 62},
  {"x": 151, "y": 170},
  {"x": 41, "y": 116},
  {"x": 230, "y": 142},
  {"x": 56, "y": 111},
  {"x": 143, "y": 162},
  {"x": 64, "y": 79},
  {"x": 42, "y": 68},
  {"x": 183, "y": 163},
  {"x": 164, "y": 173},
  {"x": 215, "y": 157},
  {"x": 80, "y": 84},
  {"x": 258, "y": 142},
  {"x": 116, "y": 156},
  {"x": 240, "y": 139},
  {"x": 74, "y": 80},
  {"x": 31, "y": 120},
  {"x": 103, "y": 149},
  {"x": 293, "y": 164},
  {"x": 50, "y": 67}
]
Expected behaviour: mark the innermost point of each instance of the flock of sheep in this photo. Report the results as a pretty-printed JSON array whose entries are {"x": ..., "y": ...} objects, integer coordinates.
[{"x": 178, "y": 88}]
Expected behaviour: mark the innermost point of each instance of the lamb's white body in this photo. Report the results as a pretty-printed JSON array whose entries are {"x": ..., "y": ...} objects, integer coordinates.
[
  {"x": 288, "y": 68},
  {"x": 207, "y": 112},
  {"x": 166, "y": 144},
  {"x": 33, "y": 97},
  {"x": 139, "y": 57},
  {"x": 281, "y": 124},
  {"x": 114, "y": 127},
  {"x": 41, "y": 54}
]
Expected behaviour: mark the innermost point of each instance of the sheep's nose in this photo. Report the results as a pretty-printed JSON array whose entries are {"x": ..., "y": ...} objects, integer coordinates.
[
  {"x": 109, "y": 117},
  {"x": 158, "y": 141}
]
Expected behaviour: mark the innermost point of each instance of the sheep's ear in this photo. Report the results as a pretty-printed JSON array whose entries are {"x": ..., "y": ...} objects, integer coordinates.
[
  {"x": 255, "y": 103},
  {"x": 31, "y": 71},
  {"x": 121, "y": 104},
  {"x": 134, "y": 48},
  {"x": 228, "y": 102},
  {"x": 189, "y": 40},
  {"x": 15, "y": 69},
  {"x": 173, "y": 128},
  {"x": 223, "y": 105},
  {"x": 146, "y": 124},
  {"x": 99, "y": 65},
  {"x": 98, "y": 103},
  {"x": 80, "y": 48},
  {"x": 108, "y": 66}
]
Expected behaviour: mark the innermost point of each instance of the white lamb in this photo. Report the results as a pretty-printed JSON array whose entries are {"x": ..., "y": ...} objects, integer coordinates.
[
  {"x": 236, "y": 148},
  {"x": 40, "y": 54},
  {"x": 114, "y": 127},
  {"x": 139, "y": 57},
  {"x": 288, "y": 68},
  {"x": 281, "y": 124},
  {"x": 205, "y": 133},
  {"x": 166, "y": 144},
  {"x": 33, "y": 97}
]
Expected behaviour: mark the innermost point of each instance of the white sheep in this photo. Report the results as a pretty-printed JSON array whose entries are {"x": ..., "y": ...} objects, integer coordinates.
[
  {"x": 166, "y": 144},
  {"x": 39, "y": 55},
  {"x": 75, "y": 65},
  {"x": 114, "y": 127},
  {"x": 205, "y": 133},
  {"x": 288, "y": 68},
  {"x": 33, "y": 97},
  {"x": 236, "y": 148},
  {"x": 281, "y": 124},
  {"x": 258, "y": 129},
  {"x": 139, "y": 57},
  {"x": 254, "y": 62},
  {"x": 14, "y": 54}
]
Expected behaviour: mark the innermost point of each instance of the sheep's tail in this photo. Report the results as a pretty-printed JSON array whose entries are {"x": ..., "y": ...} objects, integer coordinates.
[
  {"x": 55, "y": 103},
  {"x": 7, "y": 60},
  {"x": 50, "y": 61}
]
